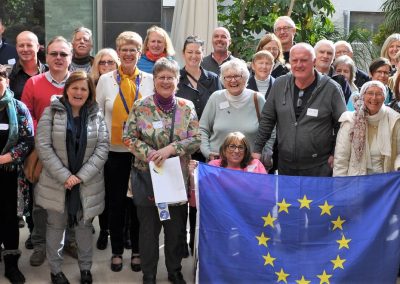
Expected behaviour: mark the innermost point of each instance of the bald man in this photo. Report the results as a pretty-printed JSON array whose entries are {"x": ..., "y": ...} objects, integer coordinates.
[
  {"x": 28, "y": 65},
  {"x": 221, "y": 39}
]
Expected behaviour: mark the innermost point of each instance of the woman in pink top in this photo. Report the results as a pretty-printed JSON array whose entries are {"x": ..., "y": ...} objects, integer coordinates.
[{"x": 235, "y": 154}]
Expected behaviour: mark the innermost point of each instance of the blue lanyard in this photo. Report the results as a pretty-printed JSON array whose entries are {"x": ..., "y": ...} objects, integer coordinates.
[{"x": 137, "y": 82}]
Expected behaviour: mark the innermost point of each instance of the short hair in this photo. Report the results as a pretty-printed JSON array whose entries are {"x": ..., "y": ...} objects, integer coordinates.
[
  {"x": 345, "y": 43},
  {"x": 59, "y": 39},
  {"x": 377, "y": 63},
  {"x": 231, "y": 138},
  {"x": 369, "y": 84},
  {"x": 237, "y": 64},
  {"x": 169, "y": 48},
  {"x": 389, "y": 40},
  {"x": 267, "y": 38},
  {"x": 84, "y": 30},
  {"x": 305, "y": 46},
  {"x": 261, "y": 55},
  {"x": 95, "y": 73},
  {"x": 345, "y": 59},
  {"x": 128, "y": 37},
  {"x": 328, "y": 42},
  {"x": 3, "y": 71},
  {"x": 81, "y": 75},
  {"x": 286, "y": 19},
  {"x": 224, "y": 29},
  {"x": 165, "y": 64},
  {"x": 192, "y": 39}
]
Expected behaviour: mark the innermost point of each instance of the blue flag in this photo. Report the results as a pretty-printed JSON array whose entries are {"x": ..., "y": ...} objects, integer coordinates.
[{"x": 258, "y": 228}]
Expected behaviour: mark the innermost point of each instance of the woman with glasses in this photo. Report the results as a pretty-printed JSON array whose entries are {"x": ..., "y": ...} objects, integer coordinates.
[
  {"x": 116, "y": 93},
  {"x": 379, "y": 70},
  {"x": 233, "y": 109},
  {"x": 368, "y": 141},
  {"x": 159, "y": 127},
  {"x": 106, "y": 60},
  {"x": 271, "y": 43},
  {"x": 157, "y": 44}
]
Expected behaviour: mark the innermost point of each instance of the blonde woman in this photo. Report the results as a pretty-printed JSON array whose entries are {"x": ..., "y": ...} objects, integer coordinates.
[{"x": 106, "y": 60}]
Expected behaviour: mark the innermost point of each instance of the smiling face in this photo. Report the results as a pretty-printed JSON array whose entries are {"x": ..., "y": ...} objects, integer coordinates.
[
  {"x": 234, "y": 82},
  {"x": 78, "y": 93},
  {"x": 3, "y": 86},
  {"x": 193, "y": 55},
  {"x": 382, "y": 74},
  {"x": 262, "y": 68},
  {"x": 58, "y": 57},
  {"x": 165, "y": 83},
  {"x": 373, "y": 99},
  {"x": 129, "y": 55},
  {"x": 82, "y": 44},
  {"x": 221, "y": 40},
  {"x": 235, "y": 153},
  {"x": 393, "y": 48},
  {"x": 156, "y": 44},
  {"x": 285, "y": 32},
  {"x": 272, "y": 47},
  {"x": 106, "y": 64},
  {"x": 27, "y": 47},
  {"x": 302, "y": 64}
]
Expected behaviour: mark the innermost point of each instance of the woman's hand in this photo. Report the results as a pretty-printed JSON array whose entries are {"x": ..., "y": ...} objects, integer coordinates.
[
  {"x": 71, "y": 181},
  {"x": 6, "y": 158},
  {"x": 192, "y": 166},
  {"x": 256, "y": 156},
  {"x": 213, "y": 156},
  {"x": 159, "y": 156}
]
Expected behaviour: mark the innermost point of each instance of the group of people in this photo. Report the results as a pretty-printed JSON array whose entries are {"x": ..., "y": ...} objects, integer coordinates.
[{"x": 95, "y": 123}]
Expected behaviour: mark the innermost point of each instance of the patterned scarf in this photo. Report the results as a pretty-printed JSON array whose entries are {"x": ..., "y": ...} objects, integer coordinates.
[{"x": 8, "y": 102}]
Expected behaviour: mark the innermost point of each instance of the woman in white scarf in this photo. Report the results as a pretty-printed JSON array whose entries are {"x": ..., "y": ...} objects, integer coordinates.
[{"x": 368, "y": 141}]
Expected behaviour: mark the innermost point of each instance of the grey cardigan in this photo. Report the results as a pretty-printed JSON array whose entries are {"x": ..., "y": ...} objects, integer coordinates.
[{"x": 52, "y": 151}]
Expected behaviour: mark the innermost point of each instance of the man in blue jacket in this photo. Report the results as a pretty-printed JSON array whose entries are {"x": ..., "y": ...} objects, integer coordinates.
[{"x": 8, "y": 53}]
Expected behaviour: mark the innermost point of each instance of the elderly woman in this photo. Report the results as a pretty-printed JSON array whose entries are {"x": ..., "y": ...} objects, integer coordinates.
[
  {"x": 16, "y": 140},
  {"x": 157, "y": 44},
  {"x": 345, "y": 66},
  {"x": 72, "y": 143},
  {"x": 230, "y": 110},
  {"x": 159, "y": 127},
  {"x": 389, "y": 49},
  {"x": 262, "y": 64},
  {"x": 368, "y": 141},
  {"x": 379, "y": 70},
  {"x": 106, "y": 60},
  {"x": 271, "y": 43},
  {"x": 116, "y": 93}
]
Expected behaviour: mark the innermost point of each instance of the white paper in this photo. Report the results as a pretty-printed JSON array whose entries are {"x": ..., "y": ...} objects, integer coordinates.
[{"x": 167, "y": 180}]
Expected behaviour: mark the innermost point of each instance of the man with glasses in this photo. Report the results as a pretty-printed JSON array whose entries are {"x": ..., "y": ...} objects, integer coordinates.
[
  {"x": 285, "y": 30},
  {"x": 221, "y": 40},
  {"x": 305, "y": 107},
  {"x": 82, "y": 44},
  {"x": 36, "y": 95}
]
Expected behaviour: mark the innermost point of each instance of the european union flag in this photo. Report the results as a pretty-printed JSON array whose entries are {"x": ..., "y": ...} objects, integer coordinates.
[{"x": 281, "y": 229}]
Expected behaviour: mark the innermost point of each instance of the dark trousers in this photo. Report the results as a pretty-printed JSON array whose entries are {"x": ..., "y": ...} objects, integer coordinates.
[
  {"x": 323, "y": 170},
  {"x": 103, "y": 217},
  {"x": 116, "y": 177},
  {"x": 150, "y": 228},
  {"x": 29, "y": 218},
  {"x": 133, "y": 225},
  {"x": 192, "y": 223},
  {"x": 9, "y": 231}
]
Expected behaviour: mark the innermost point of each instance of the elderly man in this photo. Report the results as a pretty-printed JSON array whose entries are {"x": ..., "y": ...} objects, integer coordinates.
[
  {"x": 82, "y": 44},
  {"x": 28, "y": 64},
  {"x": 285, "y": 30},
  {"x": 325, "y": 52},
  {"x": 8, "y": 53},
  {"x": 305, "y": 107},
  {"x": 36, "y": 95},
  {"x": 221, "y": 40},
  {"x": 344, "y": 48}
]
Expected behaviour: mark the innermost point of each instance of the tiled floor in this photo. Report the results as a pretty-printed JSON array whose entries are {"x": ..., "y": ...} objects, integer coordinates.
[{"x": 100, "y": 270}]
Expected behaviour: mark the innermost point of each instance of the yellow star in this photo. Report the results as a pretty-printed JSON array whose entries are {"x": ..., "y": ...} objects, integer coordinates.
[
  {"x": 269, "y": 260},
  {"x": 324, "y": 278},
  {"x": 269, "y": 220},
  {"x": 326, "y": 208},
  {"x": 304, "y": 203},
  {"x": 282, "y": 276},
  {"x": 262, "y": 240},
  {"x": 338, "y": 262},
  {"x": 338, "y": 223},
  {"x": 302, "y": 281},
  {"x": 283, "y": 206},
  {"x": 343, "y": 243}
]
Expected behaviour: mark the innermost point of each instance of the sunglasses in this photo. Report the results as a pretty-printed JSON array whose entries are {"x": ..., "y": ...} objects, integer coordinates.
[
  {"x": 56, "y": 54},
  {"x": 106, "y": 62}
]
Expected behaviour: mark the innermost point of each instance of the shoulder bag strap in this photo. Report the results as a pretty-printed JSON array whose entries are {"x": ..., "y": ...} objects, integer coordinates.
[{"x": 256, "y": 105}]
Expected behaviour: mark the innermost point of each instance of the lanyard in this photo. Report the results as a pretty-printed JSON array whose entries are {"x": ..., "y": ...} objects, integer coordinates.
[{"x": 137, "y": 82}]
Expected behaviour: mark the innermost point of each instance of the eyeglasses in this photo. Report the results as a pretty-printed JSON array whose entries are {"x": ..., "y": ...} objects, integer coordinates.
[
  {"x": 194, "y": 39},
  {"x": 106, "y": 62},
  {"x": 233, "y": 147},
  {"x": 371, "y": 94},
  {"x": 300, "y": 99},
  {"x": 129, "y": 50},
  {"x": 383, "y": 73},
  {"x": 283, "y": 29},
  {"x": 163, "y": 78},
  {"x": 232, "y": 77},
  {"x": 271, "y": 49},
  {"x": 56, "y": 54}
]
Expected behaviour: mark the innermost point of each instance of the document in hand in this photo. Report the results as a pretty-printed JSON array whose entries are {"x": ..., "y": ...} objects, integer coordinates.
[{"x": 167, "y": 180}]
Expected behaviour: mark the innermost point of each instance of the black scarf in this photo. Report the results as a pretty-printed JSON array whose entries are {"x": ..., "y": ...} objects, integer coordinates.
[{"x": 76, "y": 147}]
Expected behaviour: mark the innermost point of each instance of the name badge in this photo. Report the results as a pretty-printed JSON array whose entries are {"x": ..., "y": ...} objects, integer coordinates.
[
  {"x": 251, "y": 168},
  {"x": 224, "y": 105},
  {"x": 11, "y": 61},
  {"x": 157, "y": 124},
  {"x": 3, "y": 126},
  {"x": 312, "y": 112}
]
